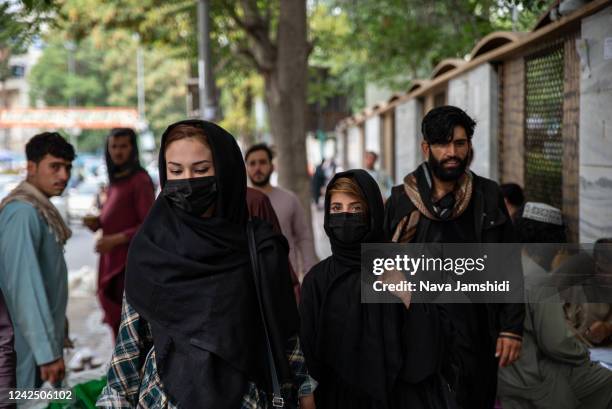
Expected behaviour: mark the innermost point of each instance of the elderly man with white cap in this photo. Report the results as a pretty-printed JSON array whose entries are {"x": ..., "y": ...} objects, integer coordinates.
[{"x": 554, "y": 369}]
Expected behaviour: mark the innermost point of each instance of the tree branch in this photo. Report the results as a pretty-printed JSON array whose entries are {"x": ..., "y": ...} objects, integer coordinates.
[
  {"x": 245, "y": 52},
  {"x": 263, "y": 52},
  {"x": 221, "y": 64},
  {"x": 234, "y": 15},
  {"x": 310, "y": 45}
]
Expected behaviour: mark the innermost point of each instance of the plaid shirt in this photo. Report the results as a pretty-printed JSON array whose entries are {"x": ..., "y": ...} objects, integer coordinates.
[{"x": 133, "y": 380}]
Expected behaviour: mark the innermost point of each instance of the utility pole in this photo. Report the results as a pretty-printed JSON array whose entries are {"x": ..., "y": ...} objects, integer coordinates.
[
  {"x": 206, "y": 83},
  {"x": 74, "y": 132},
  {"x": 146, "y": 140},
  {"x": 71, "y": 48},
  {"x": 140, "y": 82}
]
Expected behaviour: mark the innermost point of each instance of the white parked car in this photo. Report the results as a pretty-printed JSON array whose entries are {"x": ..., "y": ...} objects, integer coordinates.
[
  {"x": 8, "y": 182},
  {"x": 81, "y": 200},
  {"x": 60, "y": 204}
]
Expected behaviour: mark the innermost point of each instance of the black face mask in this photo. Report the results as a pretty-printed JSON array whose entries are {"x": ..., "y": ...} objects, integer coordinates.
[
  {"x": 349, "y": 228},
  {"x": 193, "y": 195}
]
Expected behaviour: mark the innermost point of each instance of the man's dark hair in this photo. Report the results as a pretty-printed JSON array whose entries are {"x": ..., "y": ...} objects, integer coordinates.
[
  {"x": 115, "y": 132},
  {"x": 437, "y": 126},
  {"x": 51, "y": 143},
  {"x": 513, "y": 193},
  {"x": 259, "y": 147},
  {"x": 373, "y": 154}
]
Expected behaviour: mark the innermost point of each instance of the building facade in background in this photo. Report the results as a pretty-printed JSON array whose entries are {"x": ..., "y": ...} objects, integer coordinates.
[
  {"x": 541, "y": 101},
  {"x": 16, "y": 94}
]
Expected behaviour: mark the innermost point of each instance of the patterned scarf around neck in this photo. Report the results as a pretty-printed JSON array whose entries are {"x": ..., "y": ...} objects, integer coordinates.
[
  {"x": 418, "y": 186},
  {"x": 28, "y": 193}
]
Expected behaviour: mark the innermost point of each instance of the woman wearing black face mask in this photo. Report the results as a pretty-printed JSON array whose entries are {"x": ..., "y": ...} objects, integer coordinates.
[
  {"x": 192, "y": 333},
  {"x": 365, "y": 356}
]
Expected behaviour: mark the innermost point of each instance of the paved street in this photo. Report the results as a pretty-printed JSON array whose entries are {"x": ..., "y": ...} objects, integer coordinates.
[
  {"x": 80, "y": 249},
  {"x": 322, "y": 246},
  {"x": 84, "y": 314}
]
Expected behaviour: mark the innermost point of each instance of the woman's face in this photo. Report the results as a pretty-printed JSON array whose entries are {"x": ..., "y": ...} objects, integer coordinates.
[
  {"x": 188, "y": 158},
  {"x": 345, "y": 203}
]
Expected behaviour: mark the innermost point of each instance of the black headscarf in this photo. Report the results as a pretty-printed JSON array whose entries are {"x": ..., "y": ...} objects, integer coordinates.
[
  {"x": 350, "y": 254},
  {"x": 132, "y": 165},
  {"x": 191, "y": 279},
  {"x": 366, "y": 346}
]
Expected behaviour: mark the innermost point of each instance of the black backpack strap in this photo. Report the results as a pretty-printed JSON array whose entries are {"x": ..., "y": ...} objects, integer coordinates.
[{"x": 277, "y": 398}]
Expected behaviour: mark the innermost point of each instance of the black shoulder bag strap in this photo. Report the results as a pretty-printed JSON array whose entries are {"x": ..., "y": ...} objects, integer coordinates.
[{"x": 277, "y": 398}]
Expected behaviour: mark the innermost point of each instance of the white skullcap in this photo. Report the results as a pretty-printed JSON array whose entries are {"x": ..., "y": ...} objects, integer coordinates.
[{"x": 542, "y": 212}]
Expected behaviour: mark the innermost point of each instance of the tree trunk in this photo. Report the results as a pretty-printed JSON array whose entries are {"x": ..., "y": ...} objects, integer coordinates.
[
  {"x": 285, "y": 87},
  {"x": 248, "y": 133}
]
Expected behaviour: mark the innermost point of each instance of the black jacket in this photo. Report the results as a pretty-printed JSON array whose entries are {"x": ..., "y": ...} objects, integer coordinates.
[{"x": 492, "y": 224}]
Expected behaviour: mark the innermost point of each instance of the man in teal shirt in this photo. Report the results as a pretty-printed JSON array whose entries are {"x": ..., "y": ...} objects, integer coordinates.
[{"x": 33, "y": 273}]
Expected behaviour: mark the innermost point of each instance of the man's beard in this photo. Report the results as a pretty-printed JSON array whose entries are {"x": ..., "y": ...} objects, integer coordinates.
[
  {"x": 448, "y": 175},
  {"x": 123, "y": 162},
  {"x": 262, "y": 182}
]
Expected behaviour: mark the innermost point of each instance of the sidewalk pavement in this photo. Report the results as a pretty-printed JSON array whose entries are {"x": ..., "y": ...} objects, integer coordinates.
[{"x": 321, "y": 241}]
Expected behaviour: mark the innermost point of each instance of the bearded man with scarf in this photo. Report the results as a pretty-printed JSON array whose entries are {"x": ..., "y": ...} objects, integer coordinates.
[
  {"x": 366, "y": 356},
  {"x": 33, "y": 274},
  {"x": 192, "y": 331},
  {"x": 442, "y": 201},
  {"x": 130, "y": 196}
]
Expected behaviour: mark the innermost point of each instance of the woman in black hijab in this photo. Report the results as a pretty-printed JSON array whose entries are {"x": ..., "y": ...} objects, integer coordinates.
[
  {"x": 365, "y": 356},
  {"x": 192, "y": 333}
]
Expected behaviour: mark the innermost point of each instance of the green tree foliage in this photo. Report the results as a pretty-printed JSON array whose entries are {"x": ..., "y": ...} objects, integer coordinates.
[
  {"x": 52, "y": 83},
  {"x": 15, "y": 32},
  {"x": 19, "y": 25},
  {"x": 335, "y": 52},
  {"x": 238, "y": 103},
  {"x": 105, "y": 72},
  {"x": 388, "y": 42},
  {"x": 391, "y": 42},
  {"x": 164, "y": 80}
]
